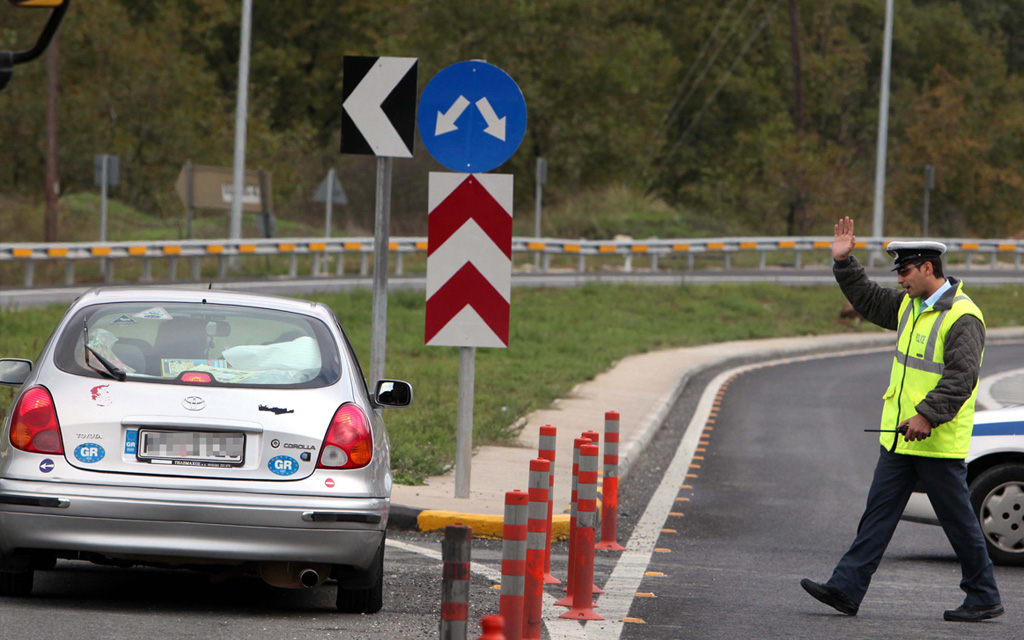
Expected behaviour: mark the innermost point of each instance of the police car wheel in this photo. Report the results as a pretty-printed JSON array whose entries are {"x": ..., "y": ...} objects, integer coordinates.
[
  {"x": 16, "y": 585},
  {"x": 997, "y": 496},
  {"x": 368, "y": 598}
]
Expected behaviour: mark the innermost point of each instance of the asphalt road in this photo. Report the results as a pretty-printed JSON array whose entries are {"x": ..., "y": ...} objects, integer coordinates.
[{"x": 777, "y": 497}]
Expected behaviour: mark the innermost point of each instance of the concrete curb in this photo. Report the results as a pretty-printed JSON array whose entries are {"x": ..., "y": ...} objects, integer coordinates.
[{"x": 409, "y": 518}]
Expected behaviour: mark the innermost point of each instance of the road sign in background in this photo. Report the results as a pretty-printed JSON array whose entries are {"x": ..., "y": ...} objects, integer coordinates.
[
  {"x": 472, "y": 117},
  {"x": 469, "y": 260},
  {"x": 378, "y": 116},
  {"x": 213, "y": 188}
]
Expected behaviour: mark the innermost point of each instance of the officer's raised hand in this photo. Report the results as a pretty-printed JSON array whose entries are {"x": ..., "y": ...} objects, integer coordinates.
[{"x": 844, "y": 240}]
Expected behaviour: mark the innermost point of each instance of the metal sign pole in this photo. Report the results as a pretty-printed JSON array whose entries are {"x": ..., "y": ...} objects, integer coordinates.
[
  {"x": 189, "y": 200},
  {"x": 103, "y": 198},
  {"x": 464, "y": 423},
  {"x": 929, "y": 184},
  {"x": 538, "y": 199},
  {"x": 382, "y": 228}
]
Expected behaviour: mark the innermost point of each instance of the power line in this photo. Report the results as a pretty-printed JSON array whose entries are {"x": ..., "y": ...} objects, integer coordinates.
[{"x": 714, "y": 94}]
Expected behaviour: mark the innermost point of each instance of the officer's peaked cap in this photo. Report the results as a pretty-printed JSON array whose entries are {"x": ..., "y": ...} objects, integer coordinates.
[{"x": 906, "y": 252}]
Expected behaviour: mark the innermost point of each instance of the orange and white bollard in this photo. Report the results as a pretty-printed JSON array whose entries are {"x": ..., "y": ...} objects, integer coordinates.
[
  {"x": 546, "y": 450},
  {"x": 570, "y": 579},
  {"x": 492, "y": 628},
  {"x": 513, "y": 563},
  {"x": 586, "y": 524},
  {"x": 534, "y": 583},
  {"x": 455, "y": 556},
  {"x": 610, "y": 485}
]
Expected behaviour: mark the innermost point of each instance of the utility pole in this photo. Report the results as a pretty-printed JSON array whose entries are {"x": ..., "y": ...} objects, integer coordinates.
[
  {"x": 241, "y": 113},
  {"x": 51, "y": 181},
  {"x": 797, "y": 207},
  {"x": 883, "y": 130}
]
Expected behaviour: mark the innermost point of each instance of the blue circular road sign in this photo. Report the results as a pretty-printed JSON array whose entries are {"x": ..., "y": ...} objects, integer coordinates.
[{"x": 472, "y": 117}]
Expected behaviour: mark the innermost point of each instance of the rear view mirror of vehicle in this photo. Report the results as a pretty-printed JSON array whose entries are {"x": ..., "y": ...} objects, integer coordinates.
[
  {"x": 14, "y": 371},
  {"x": 393, "y": 393}
]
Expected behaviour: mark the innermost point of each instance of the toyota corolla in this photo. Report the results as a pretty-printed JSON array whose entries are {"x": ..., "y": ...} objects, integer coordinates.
[{"x": 198, "y": 429}]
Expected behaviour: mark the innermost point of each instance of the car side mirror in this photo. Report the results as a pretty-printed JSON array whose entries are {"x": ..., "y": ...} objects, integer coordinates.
[
  {"x": 14, "y": 371},
  {"x": 393, "y": 393}
]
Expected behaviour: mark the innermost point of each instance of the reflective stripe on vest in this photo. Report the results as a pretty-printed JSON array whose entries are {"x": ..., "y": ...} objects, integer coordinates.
[{"x": 918, "y": 364}]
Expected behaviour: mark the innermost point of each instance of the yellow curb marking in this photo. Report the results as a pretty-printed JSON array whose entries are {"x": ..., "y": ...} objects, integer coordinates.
[
  {"x": 484, "y": 526},
  {"x": 691, "y": 475},
  {"x": 646, "y": 595},
  {"x": 662, "y": 550},
  {"x": 675, "y": 513},
  {"x": 682, "y": 499},
  {"x": 668, "y": 531},
  {"x": 685, "y": 486},
  {"x": 655, "y": 574},
  {"x": 634, "y": 620}
]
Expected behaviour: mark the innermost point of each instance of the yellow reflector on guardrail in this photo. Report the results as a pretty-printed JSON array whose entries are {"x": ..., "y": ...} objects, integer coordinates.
[
  {"x": 969, "y": 246},
  {"x": 100, "y": 251},
  {"x": 57, "y": 252},
  {"x": 640, "y": 248},
  {"x": 286, "y": 247},
  {"x": 422, "y": 246},
  {"x": 318, "y": 246},
  {"x": 819, "y": 244},
  {"x": 607, "y": 248},
  {"x": 214, "y": 248},
  {"x": 1007, "y": 247},
  {"x": 247, "y": 248},
  {"x": 680, "y": 247},
  {"x": 136, "y": 251},
  {"x": 22, "y": 253},
  {"x": 571, "y": 248},
  {"x": 748, "y": 245},
  {"x": 353, "y": 246},
  {"x": 860, "y": 245},
  {"x": 716, "y": 245},
  {"x": 172, "y": 250},
  {"x": 536, "y": 246},
  {"x": 787, "y": 244},
  {"x": 392, "y": 246}
]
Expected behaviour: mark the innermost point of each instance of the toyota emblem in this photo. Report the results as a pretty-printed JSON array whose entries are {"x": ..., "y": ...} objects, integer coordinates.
[{"x": 194, "y": 403}]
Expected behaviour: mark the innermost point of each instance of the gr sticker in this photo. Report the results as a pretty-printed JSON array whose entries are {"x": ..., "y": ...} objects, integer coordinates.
[
  {"x": 46, "y": 466},
  {"x": 89, "y": 453},
  {"x": 283, "y": 465},
  {"x": 131, "y": 441}
]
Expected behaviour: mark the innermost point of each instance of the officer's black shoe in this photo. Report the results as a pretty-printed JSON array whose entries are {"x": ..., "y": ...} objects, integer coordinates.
[
  {"x": 832, "y": 597},
  {"x": 973, "y": 613}
]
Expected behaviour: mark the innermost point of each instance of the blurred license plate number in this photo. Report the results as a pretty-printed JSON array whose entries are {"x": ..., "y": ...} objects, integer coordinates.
[{"x": 192, "y": 446}]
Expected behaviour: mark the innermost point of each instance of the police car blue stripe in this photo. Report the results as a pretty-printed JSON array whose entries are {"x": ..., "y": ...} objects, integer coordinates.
[{"x": 1000, "y": 429}]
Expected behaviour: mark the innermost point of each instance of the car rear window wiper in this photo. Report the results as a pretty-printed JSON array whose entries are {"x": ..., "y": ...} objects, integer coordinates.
[{"x": 114, "y": 371}]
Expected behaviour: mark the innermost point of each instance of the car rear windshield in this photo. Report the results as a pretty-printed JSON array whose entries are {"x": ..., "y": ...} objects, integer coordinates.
[{"x": 199, "y": 343}]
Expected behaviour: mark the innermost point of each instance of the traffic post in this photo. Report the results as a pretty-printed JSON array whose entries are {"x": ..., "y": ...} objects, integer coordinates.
[
  {"x": 513, "y": 562},
  {"x": 583, "y": 570},
  {"x": 455, "y": 557},
  {"x": 546, "y": 450},
  {"x": 534, "y": 586},
  {"x": 610, "y": 485}
]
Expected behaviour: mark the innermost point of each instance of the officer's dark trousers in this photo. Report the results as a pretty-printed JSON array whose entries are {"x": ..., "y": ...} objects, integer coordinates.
[{"x": 946, "y": 483}]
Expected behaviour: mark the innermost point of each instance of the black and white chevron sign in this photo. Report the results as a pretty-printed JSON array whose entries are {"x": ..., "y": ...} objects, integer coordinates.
[{"x": 379, "y": 106}]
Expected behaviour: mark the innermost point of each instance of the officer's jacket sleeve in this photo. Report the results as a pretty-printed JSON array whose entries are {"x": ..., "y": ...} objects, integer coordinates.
[
  {"x": 964, "y": 345},
  {"x": 879, "y": 305}
]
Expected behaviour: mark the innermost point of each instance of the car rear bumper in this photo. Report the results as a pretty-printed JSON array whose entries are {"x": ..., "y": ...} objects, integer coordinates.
[{"x": 189, "y": 526}]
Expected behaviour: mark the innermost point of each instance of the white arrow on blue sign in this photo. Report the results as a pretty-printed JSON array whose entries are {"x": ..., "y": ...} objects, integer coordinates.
[{"x": 472, "y": 117}]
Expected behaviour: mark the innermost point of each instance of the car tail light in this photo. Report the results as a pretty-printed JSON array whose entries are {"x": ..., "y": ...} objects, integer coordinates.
[
  {"x": 348, "y": 444},
  {"x": 34, "y": 425}
]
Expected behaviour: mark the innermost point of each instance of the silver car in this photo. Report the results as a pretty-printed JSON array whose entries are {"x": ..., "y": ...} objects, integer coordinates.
[{"x": 198, "y": 429}]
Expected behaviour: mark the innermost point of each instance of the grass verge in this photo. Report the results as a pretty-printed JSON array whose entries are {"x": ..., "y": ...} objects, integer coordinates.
[{"x": 559, "y": 338}]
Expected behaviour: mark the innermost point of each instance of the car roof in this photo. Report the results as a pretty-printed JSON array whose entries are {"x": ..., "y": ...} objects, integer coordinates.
[{"x": 158, "y": 295}]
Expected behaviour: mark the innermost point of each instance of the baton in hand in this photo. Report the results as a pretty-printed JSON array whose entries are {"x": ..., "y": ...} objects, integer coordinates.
[{"x": 902, "y": 430}]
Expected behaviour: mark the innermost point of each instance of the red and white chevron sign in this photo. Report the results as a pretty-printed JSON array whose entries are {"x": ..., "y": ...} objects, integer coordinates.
[{"x": 469, "y": 260}]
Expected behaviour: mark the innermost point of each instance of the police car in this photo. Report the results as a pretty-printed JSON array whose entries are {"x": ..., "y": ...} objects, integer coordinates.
[
  {"x": 995, "y": 475},
  {"x": 198, "y": 428}
]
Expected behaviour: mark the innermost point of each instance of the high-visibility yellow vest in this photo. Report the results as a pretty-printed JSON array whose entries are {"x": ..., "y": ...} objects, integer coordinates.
[{"x": 917, "y": 367}]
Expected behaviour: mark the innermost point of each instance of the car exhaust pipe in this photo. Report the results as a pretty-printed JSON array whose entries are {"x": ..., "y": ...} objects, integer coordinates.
[{"x": 294, "y": 575}]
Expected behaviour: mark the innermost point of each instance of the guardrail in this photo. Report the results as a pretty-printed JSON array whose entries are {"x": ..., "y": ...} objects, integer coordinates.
[{"x": 653, "y": 249}]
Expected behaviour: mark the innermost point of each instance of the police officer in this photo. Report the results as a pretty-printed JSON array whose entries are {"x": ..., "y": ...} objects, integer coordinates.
[{"x": 927, "y": 420}]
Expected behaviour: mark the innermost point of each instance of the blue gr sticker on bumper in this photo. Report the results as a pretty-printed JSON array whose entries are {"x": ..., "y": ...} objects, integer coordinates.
[
  {"x": 89, "y": 453},
  {"x": 283, "y": 465},
  {"x": 131, "y": 441}
]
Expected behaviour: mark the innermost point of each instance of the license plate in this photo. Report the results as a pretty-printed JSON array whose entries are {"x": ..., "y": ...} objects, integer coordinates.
[{"x": 196, "y": 447}]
